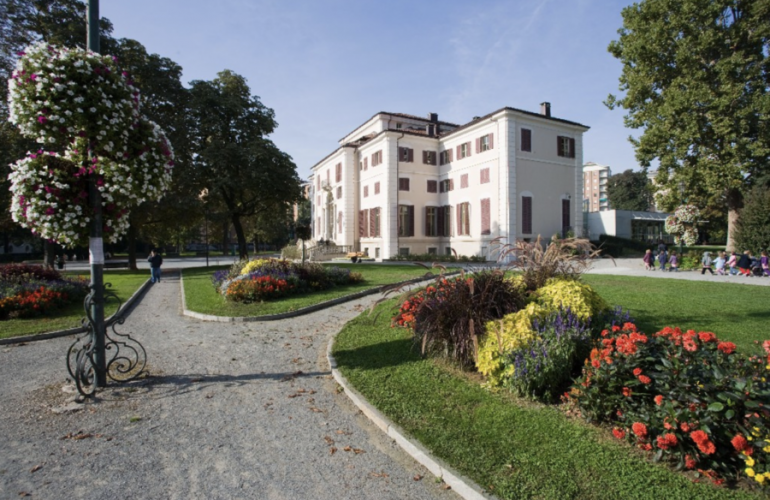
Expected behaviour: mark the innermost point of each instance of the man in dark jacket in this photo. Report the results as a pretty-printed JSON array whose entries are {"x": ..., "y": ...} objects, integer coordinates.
[
  {"x": 155, "y": 261},
  {"x": 744, "y": 263}
]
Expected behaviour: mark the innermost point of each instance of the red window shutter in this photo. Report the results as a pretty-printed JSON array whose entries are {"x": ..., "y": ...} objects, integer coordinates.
[
  {"x": 366, "y": 163},
  {"x": 366, "y": 191},
  {"x": 375, "y": 222},
  {"x": 463, "y": 181},
  {"x": 376, "y": 188},
  {"x": 491, "y": 141},
  {"x": 559, "y": 148},
  {"x": 450, "y": 155},
  {"x": 411, "y": 155},
  {"x": 526, "y": 139},
  {"x": 451, "y": 184},
  {"x": 361, "y": 223},
  {"x": 432, "y": 186},
  {"x": 485, "y": 217},
  {"x": 571, "y": 147},
  {"x": 565, "y": 225},
  {"x": 459, "y": 151},
  {"x": 338, "y": 172},
  {"x": 526, "y": 214},
  {"x": 425, "y": 157},
  {"x": 478, "y": 145},
  {"x": 468, "y": 148},
  {"x": 440, "y": 224},
  {"x": 459, "y": 215}
]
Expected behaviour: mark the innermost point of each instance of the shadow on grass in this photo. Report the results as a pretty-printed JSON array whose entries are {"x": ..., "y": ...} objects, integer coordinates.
[{"x": 376, "y": 356}]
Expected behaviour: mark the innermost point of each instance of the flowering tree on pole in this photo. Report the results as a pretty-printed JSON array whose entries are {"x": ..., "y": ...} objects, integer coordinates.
[
  {"x": 682, "y": 224},
  {"x": 85, "y": 113}
]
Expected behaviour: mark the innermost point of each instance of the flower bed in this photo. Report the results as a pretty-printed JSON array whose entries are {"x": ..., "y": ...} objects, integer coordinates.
[
  {"x": 265, "y": 279},
  {"x": 687, "y": 397},
  {"x": 27, "y": 291}
]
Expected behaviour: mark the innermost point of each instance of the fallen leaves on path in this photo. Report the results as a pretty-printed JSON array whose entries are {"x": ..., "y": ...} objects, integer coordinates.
[
  {"x": 77, "y": 436},
  {"x": 36, "y": 468},
  {"x": 379, "y": 474},
  {"x": 328, "y": 440},
  {"x": 417, "y": 477},
  {"x": 332, "y": 450}
]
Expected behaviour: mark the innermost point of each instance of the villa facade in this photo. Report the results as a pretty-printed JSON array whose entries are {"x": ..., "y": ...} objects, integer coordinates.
[{"x": 402, "y": 184}]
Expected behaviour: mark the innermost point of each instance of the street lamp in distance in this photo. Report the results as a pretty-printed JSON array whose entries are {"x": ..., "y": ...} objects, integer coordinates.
[{"x": 203, "y": 197}]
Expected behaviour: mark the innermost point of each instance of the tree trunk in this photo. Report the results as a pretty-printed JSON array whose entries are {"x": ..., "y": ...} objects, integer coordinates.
[
  {"x": 225, "y": 238},
  {"x": 243, "y": 251},
  {"x": 49, "y": 253},
  {"x": 734, "y": 202},
  {"x": 131, "y": 237}
]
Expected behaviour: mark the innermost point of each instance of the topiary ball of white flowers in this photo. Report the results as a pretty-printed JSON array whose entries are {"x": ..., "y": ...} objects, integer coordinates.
[
  {"x": 83, "y": 105},
  {"x": 682, "y": 225},
  {"x": 689, "y": 214}
]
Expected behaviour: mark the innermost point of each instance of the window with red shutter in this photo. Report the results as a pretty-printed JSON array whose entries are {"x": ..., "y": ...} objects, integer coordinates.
[
  {"x": 339, "y": 192},
  {"x": 403, "y": 184},
  {"x": 366, "y": 191},
  {"x": 449, "y": 155},
  {"x": 339, "y": 222},
  {"x": 486, "y": 226},
  {"x": 526, "y": 140},
  {"x": 441, "y": 222},
  {"x": 338, "y": 172},
  {"x": 366, "y": 163},
  {"x": 491, "y": 141},
  {"x": 526, "y": 214},
  {"x": 361, "y": 223},
  {"x": 571, "y": 147},
  {"x": 376, "y": 188},
  {"x": 410, "y": 210},
  {"x": 463, "y": 181},
  {"x": 376, "y": 222},
  {"x": 478, "y": 145},
  {"x": 432, "y": 186},
  {"x": 451, "y": 185},
  {"x": 484, "y": 176}
]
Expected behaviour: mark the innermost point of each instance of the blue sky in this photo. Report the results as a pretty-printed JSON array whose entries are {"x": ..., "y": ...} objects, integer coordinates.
[{"x": 326, "y": 66}]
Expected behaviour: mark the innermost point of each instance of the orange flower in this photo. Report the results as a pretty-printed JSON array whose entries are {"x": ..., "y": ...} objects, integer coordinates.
[
  {"x": 726, "y": 347},
  {"x": 627, "y": 392},
  {"x": 644, "y": 379},
  {"x": 637, "y": 372},
  {"x": 639, "y": 429},
  {"x": 618, "y": 433},
  {"x": 659, "y": 399}
]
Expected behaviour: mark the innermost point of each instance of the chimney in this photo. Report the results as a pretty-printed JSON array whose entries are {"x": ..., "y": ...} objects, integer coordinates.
[
  {"x": 430, "y": 130},
  {"x": 545, "y": 109},
  {"x": 433, "y": 117}
]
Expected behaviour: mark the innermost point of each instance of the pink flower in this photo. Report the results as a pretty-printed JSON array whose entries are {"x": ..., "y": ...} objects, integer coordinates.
[{"x": 42, "y": 119}]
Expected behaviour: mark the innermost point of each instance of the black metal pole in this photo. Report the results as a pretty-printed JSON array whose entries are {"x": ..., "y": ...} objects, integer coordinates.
[
  {"x": 206, "y": 217},
  {"x": 95, "y": 244}
]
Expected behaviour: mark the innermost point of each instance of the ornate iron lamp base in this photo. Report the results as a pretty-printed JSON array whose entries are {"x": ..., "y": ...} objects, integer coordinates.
[{"x": 125, "y": 357}]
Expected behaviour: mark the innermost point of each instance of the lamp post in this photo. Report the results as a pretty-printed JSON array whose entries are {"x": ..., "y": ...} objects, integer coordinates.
[
  {"x": 204, "y": 194},
  {"x": 682, "y": 201}
]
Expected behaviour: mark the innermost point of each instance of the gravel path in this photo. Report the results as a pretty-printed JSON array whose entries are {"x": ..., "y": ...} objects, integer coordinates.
[{"x": 243, "y": 410}]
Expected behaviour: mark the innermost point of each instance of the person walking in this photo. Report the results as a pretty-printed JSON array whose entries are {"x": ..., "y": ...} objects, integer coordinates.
[
  {"x": 673, "y": 262},
  {"x": 662, "y": 258},
  {"x": 744, "y": 264},
  {"x": 732, "y": 263},
  {"x": 649, "y": 260},
  {"x": 155, "y": 261},
  {"x": 706, "y": 263},
  {"x": 764, "y": 261},
  {"x": 719, "y": 263}
]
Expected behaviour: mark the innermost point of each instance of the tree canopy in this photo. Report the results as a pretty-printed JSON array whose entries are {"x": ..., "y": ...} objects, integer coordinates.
[
  {"x": 752, "y": 231},
  {"x": 234, "y": 159},
  {"x": 629, "y": 191},
  {"x": 695, "y": 81}
]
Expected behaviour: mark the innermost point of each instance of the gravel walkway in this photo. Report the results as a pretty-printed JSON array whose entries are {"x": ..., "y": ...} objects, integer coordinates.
[{"x": 242, "y": 410}]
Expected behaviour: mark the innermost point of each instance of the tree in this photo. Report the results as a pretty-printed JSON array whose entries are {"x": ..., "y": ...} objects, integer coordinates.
[
  {"x": 233, "y": 158},
  {"x": 629, "y": 191},
  {"x": 752, "y": 230},
  {"x": 695, "y": 76}
]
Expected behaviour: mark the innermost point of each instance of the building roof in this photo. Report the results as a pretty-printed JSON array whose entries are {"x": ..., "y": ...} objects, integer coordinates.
[
  {"x": 402, "y": 115},
  {"x": 516, "y": 110}
]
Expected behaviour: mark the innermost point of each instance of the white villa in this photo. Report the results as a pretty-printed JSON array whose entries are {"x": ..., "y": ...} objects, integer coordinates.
[{"x": 402, "y": 184}]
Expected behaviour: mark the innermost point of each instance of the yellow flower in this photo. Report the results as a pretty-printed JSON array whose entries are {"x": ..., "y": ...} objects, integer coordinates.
[
  {"x": 766, "y": 449},
  {"x": 750, "y": 472},
  {"x": 755, "y": 432},
  {"x": 750, "y": 461},
  {"x": 760, "y": 478},
  {"x": 767, "y": 367}
]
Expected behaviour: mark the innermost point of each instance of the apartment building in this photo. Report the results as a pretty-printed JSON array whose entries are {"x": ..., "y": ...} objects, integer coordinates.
[
  {"x": 595, "y": 179},
  {"x": 403, "y": 184}
]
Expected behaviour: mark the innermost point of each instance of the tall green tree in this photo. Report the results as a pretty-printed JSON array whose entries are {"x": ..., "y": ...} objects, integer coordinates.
[
  {"x": 629, "y": 191},
  {"x": 233, "y": 158},
  {"x": 752, "y": 231},
  {"x": 695, "y": 82}
]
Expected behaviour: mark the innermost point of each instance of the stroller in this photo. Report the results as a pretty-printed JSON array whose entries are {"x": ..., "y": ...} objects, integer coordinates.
[{"x": 756, "y": 268}]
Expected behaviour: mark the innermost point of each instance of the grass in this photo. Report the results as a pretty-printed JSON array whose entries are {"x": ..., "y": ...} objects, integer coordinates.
[
  {"x": 201, "y": 296},
  {"x": 734, "y": 312},
  {"x": 124, "y": 284},
  {"x": 513, "y": 448}
]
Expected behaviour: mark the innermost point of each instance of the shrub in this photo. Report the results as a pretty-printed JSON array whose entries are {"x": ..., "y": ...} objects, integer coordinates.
[
  {"x": 687, "y": 396},
  {"x": 545, "y": 366},
  {"x": 752, "y": 230},
  {"x": 30, "y": 303},
  {"x": 257, "y": 288},
  {"x": 447, "y": 317},
  {"x": 431, "y": 257},
  {"x": 24, "y": 272}
]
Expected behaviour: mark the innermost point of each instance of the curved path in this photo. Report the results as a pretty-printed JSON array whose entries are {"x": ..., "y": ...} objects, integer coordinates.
[{"x": 229, "y": 410}]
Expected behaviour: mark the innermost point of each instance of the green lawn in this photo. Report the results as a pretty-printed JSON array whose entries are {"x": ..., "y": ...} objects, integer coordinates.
[
  {"x": 515, "y": 449},
  {"x": 201, "y": 296},
  {"x": 735, "y": 312},
  {"x": 124, "y": 284}
]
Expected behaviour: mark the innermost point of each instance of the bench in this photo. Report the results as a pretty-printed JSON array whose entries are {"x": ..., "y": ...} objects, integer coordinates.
[
  {"x": 116, "y": 264},
  {"x": 354, "y": 256}
]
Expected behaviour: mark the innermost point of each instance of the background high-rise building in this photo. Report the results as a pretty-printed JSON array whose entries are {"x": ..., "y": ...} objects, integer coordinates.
[{"x": 595, "y": 179}]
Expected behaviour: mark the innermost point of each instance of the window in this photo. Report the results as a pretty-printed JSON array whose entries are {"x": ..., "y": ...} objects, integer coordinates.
[
  {"x": 398, "y": 126},
  {"x": 484, "y": 176},
  {"x": 406, "y": 220},
  {"x": 377, "y": 253},
  {"x": 338, "y": 172},
  {"x": 366, "y": 251},
  {"x": 429, "y": 157},
  {"x": 464, "y": 219},
  {"x": 406, "y": 155},
  {"x": 376, "y": 188},
  {"x": 463, "y": 150},
  {"x": 366, "y": 163},
  {"x": 446, "y": 185},
  {"x": 444, "y": 221},
  {"x": 374, "y": 222},
  {"x": 526, "y": 140},
  {"x": 432, "y": 251},
  {"x": 403, "y": 251},
  {"x": 486, "y": 226},
  {"x": 565, "y": 146},
  {"x": 403, "y": 184},
  {"x": 339, "y": 222},
  {"x": 526, "y": 214},
  {"x": 445, "y": 157},
  {"x": 366, "y": 191},
  {"x": 463, "y": 181},
  {"x": 484, "y": 143},
  {"x": 565, "y": 225},
  {"x": 360, "y": 165},
  {"x": 433, "y": 186},
  {"x": 328, "y": 176},
  {"x": 376, "y": 158},
  {"x": 339, "y": 192},
  {"x": 431, "y": 221},
  {"x": 363, "y": 223},
  {"x": 448, "y": 251}
]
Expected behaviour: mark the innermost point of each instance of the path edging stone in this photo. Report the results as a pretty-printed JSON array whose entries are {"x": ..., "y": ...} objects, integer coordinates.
[
  {"x": 463, "y": 486},
  {"x": 72, "y": 331}
]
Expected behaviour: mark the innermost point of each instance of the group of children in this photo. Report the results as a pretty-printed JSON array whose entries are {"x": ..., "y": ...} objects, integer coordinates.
[{"x": 744, "y": 264}]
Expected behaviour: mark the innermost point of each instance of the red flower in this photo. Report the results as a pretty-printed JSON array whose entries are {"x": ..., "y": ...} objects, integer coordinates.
[
  {"x": 685, "y": 427},
  {"x": 726, "y": 347},
  {"x": 646, "y": 446},
  {"x": 690, "y": 345},
  {"x": 703, "y": 442},
  {"x": 637, "y": 372},
  {"x": 659, "y": 399},
  {"x": 766, "y": 346},
  {"x": 596, "y": 363},
  {"x": 615, "y": 328},
  {"x": 629, "y": 326},
  {"x": 644, "y": 379},
  {"x": 689, "y": 462},
  {"x": 707, "y": 337},
  {"x": 739, "y": 443},
  {"x": 666, "y": 441},
  {"x": 627, "y": 392},
  {"x": 618, "y": 433},
  {"x": 639, "y": 429},
  {"x": 605, "y": 333}
]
